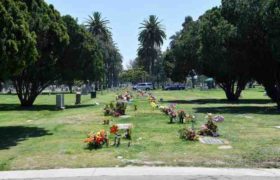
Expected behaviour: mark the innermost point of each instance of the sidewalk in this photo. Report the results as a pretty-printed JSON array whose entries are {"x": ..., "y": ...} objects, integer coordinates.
[{"x": 130, "y": 172}]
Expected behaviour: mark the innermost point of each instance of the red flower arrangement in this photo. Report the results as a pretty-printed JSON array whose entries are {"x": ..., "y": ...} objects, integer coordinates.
[
  {"x": 114, "y": 129},
  {"x": 97, "y": 140}
]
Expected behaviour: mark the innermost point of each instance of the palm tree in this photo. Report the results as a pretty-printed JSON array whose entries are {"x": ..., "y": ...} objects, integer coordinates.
[
  {"x": 151, "y": 37},
  {"x": 98, "y": 26}
]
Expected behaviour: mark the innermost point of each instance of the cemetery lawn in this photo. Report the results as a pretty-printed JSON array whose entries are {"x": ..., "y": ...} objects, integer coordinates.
[{"x": 43, "y": 138}]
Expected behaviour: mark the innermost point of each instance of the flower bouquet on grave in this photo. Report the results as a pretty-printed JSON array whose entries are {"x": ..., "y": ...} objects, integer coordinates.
[
  {"x": 182, "y": 116},
  {"x": 210, "y": 128},
  {"x": 188, "y": 134},
  {"x": 121, "y": 107},
  {"x": 164, "y": 109},
  {"x": 116, "y": 114},
  {"x": 154, "y": 105},
  {"x": 172, "y": 115},
  {"x": 97, "y": 140},
  {"x": 108, "y": 111},
  {"x": 190, "y": 119},
  {"x": 152, "y": 99},
  {"x": 115, "y": 131}
]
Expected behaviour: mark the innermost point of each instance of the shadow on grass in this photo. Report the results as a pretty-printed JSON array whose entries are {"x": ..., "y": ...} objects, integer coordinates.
[
  {"x": 17, "y": 107},
  {"x": 220, "y": 101},
  {"x": 12, "y": 135},
  {"x": 237, "y": 110}
]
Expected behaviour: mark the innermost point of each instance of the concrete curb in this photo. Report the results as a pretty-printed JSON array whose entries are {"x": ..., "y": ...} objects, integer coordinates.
[{"x": 138, "y": 171}]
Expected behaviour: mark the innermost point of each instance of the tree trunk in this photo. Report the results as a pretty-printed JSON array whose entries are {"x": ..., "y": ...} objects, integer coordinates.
[
  {"x": 232, "y": 93},
  {"x": 27, "y": 91},
  {"x": 70, "y": 86},
  {"x": 273, "y": 91},
  {"x": 29, "y": 101},
  {"x": 232, "y": 96}
]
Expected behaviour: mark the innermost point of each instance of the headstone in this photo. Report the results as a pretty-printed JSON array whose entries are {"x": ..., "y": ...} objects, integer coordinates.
[
  {"x": 124, "y": 126},
  {"x": 125, "y": 117},
  {"x": 84, "y": 91},
  {"x": 78, "y": 98},
  {"x": 211, "y": 140},
  {"x": 225, "y": 147},
  {"x": 60, "y": 101},
  {"x": 93, "y": 94}
]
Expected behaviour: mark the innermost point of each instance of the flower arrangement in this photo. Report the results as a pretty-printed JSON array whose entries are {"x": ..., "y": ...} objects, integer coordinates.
[
  {"x": 154, "y": 105},
  {"x": 115, "y": 110},
  {"x": 124, "y": 97},
  {"x": 182, "y": 116},
  {"x": 97, "y": 140},
  {"x": 114, "y": 129},
  {"x": 172, "y": 115},
  {"x": 190, "y": 118},
  {"x": 188, "y": 134},
  {"x": 121, "y": 107},
  {"x": 167, "y": 110},
  {"x": 218, "y": 119},
  {"x": 210, "y": 128},
  {"x": 141, "y": 93},
  {"x": 152, "y": 98}
]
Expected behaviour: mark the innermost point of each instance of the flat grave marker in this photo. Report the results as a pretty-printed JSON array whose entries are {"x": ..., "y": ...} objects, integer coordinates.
[
  {"x": 225, "y": 147},
  {"x": 125, "y": 117},
  {"x": 211, "y": 140}
]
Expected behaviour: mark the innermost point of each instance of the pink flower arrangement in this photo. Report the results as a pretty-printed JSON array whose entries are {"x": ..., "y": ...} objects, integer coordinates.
[{"x": 218, "y": 119}]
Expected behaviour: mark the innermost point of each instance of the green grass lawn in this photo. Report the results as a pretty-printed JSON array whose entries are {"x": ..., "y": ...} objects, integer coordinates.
[{"x": 42, "y": 138}]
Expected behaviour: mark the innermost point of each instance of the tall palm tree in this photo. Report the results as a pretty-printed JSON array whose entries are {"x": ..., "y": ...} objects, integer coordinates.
[
  {"x": 151, "y": 37},
  {"x": 98, "y": 26}
]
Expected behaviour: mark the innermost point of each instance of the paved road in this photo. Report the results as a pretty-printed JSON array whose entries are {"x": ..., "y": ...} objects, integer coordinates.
[
  {"x": 144, "y": 173},
  {"x": 166, "y": 178}
]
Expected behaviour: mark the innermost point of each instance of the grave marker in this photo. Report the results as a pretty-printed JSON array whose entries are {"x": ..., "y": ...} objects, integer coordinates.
[
  {"x": 60, "y": 101},
  {"x": 211, "y": 140}
]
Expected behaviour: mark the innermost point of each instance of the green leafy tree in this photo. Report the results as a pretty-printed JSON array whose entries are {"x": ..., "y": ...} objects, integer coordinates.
[
  {"x": 218, "y": 57},
  {"x": 257, "y": 24},
  {"x": 51, "y": 38},
  {"x": 135, "y": 75},
  {"x": 70, "y": 64},
  {"x": 185, "y": 50},
  {"x": 82, "y": 58},
  {"x": 17, "y": 45}
]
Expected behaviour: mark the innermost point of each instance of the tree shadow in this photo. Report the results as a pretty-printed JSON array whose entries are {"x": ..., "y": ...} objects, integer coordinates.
[
  {"x": 237, "y": 110},
  {"x": 17, "y": 107},
  {"x": 12, "y": 135},
  {"x": 220, "y": 101}
]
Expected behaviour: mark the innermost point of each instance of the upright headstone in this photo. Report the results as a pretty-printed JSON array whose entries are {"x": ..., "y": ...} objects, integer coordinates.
[
  {"x": 93, "y": 94},
  {"x": 60, "y": 101},
  {"x": 78, "y": 98}
]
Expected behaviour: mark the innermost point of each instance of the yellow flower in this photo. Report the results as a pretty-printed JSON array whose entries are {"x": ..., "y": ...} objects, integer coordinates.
[{"x": 153, "y": 104}]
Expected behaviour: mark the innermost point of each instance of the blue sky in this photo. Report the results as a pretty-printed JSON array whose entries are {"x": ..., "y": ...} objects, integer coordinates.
[{"x": 125, "y": 16}]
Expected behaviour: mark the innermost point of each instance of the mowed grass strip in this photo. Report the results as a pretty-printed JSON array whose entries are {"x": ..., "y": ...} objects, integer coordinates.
[{"x": 43, "y": 138}]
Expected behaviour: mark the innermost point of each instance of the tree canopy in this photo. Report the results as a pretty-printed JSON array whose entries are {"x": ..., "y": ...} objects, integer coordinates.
[{"x": 18, "y": 43}]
